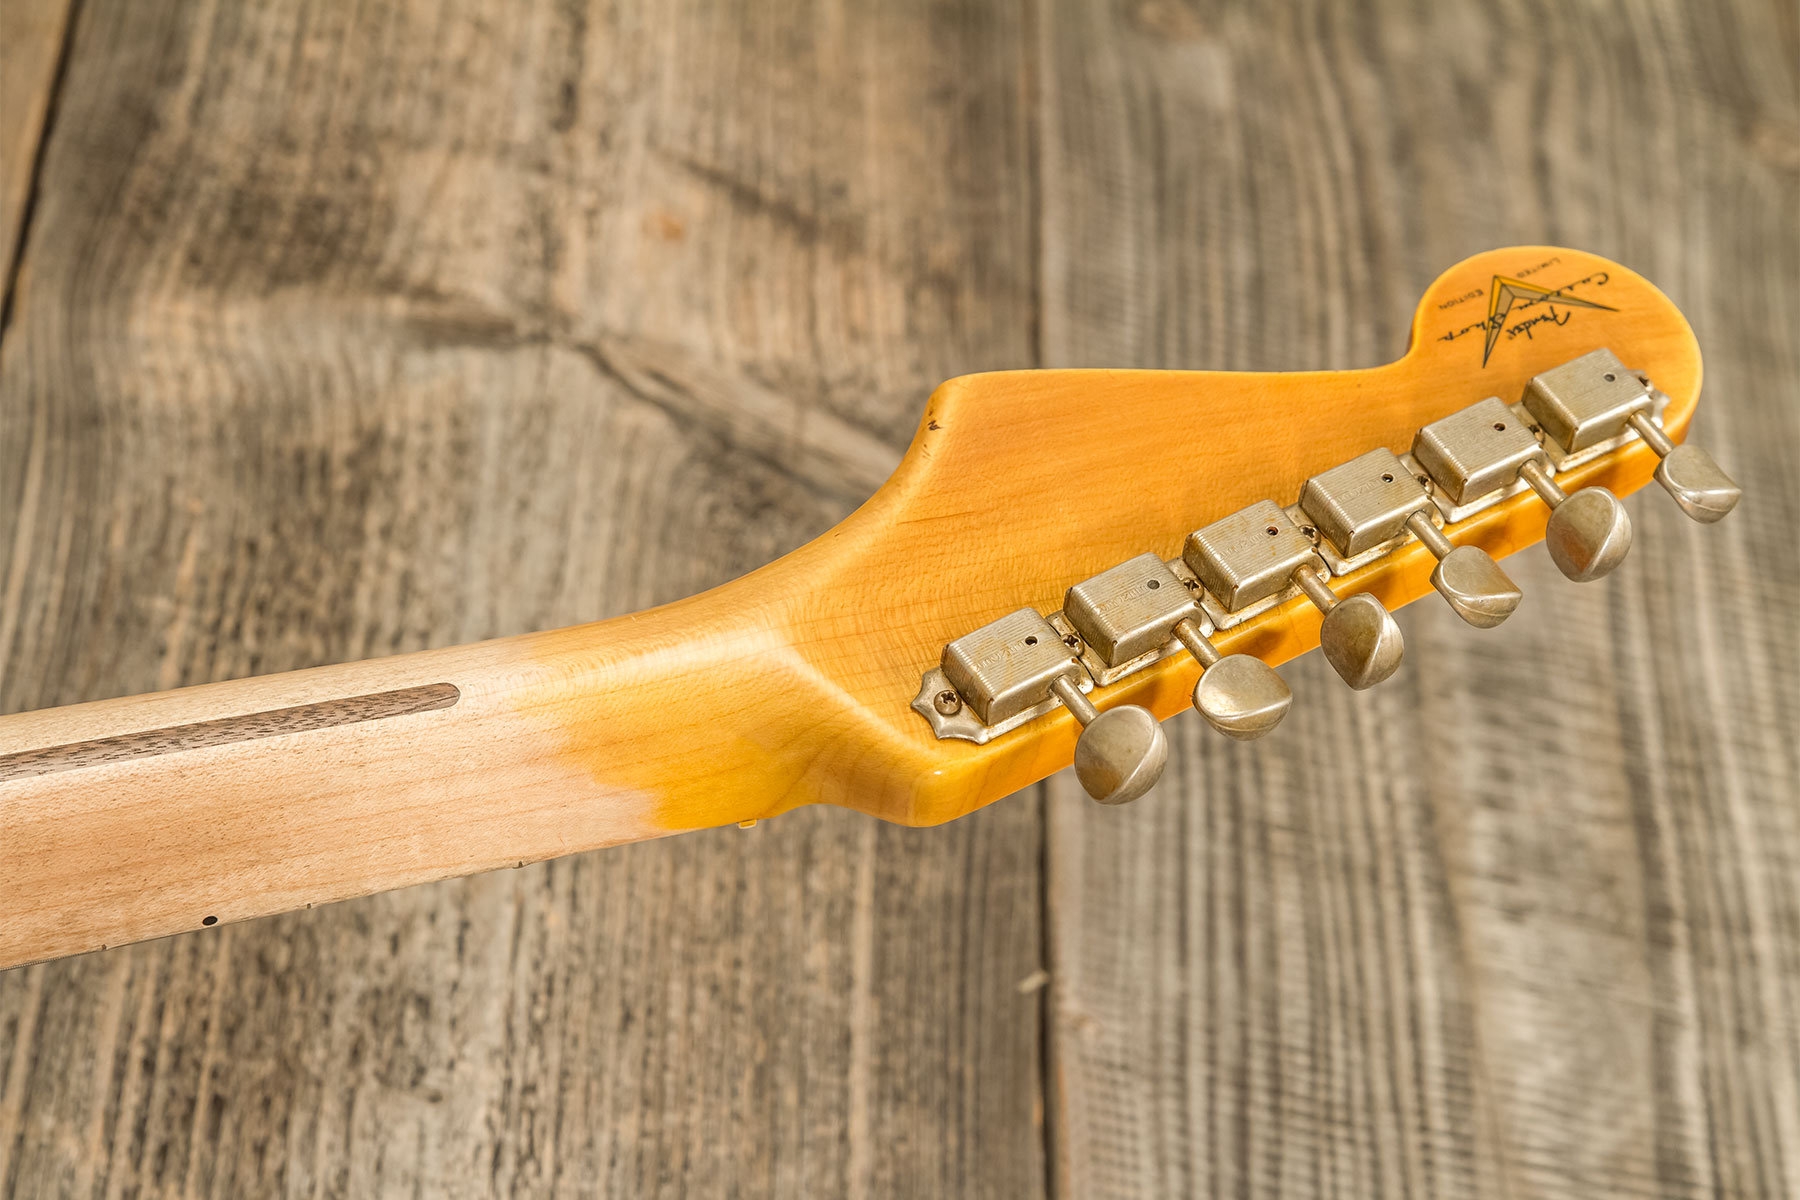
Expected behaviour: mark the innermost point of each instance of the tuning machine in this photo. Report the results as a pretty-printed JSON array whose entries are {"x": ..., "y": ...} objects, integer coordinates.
[
  {"x": 1592, "y": 399},
  {"x": 1021, "y": 666},
  {"x": 1479, "y": 455},
  {"x": 1371, "y": 503},
  {"x": 1135, "y": 611},
  {"x": 1145, "y": 609},
  {"x": 1258, "y": 556}
]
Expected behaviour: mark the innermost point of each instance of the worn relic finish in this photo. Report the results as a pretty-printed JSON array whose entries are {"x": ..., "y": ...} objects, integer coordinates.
[{"x": 791, "y": 685}]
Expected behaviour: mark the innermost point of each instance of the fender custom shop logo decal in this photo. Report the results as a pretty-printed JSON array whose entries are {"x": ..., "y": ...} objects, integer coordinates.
[{"x": 1517, "y": 306}]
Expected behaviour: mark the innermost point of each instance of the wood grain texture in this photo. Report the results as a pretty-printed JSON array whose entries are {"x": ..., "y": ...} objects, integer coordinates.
[
  {"x": 228, "y": 731},
  {"x": 366, "y": 331},
  {"x": 32, "y": 35},
  {"x": 358, "y": 330},
  {"x": 787, "y": 686},
  {"x": 1523, "y": 921}
]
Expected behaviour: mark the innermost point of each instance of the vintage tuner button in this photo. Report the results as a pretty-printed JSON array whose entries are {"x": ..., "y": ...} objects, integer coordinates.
[
  {"x": 1240, "y": 695},
  {"x": 1700, "y": 486},
  {"x": 1588, "y": 533},
  {"x": 1467, "y": 577},
  {"x": 1121, "y": 752},
  {"x": 1595, "y": 397},
  {"x": 1258, "y": 552},
  {"x": 1358, "y": 637},
  {"x": 1133, "y": 609},
  {"x": 1373, "y": 499}
]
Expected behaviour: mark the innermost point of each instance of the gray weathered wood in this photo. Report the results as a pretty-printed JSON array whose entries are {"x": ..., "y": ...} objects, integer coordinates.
[
  {"x": 31, "y": 40},
  {"x": 356, "y": 329},
  {"x": 1487, "y": 930}
]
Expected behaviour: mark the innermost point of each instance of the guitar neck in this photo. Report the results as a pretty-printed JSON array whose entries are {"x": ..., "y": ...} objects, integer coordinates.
[
  {"x": 826, "y": 676},
  {"x": 148, "y": 815}
]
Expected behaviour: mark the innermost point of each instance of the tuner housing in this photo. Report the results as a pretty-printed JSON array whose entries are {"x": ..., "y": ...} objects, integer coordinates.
[
  {"x": 1586, "y": 400},
  {"x": 1477, "y": 450},
  {"x": 1249, "y": 555},
  {"x": 1363, "y": 504},
  {"x": 1007, "y": 666},
  {"x": 1128, "y": 611}
]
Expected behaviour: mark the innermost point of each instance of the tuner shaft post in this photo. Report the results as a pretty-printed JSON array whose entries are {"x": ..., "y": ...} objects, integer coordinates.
[
  {"x": 1074, "y": 699},
  {"x": 1310, "y": 581},
  {"x": 1539, "y": 481},
  {"x": 1651, "y": 432},
  {"x": 1189, "y": 635}
]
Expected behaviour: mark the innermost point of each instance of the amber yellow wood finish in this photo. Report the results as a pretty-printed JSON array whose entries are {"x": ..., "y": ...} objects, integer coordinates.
[{"x": 791, "y": 685}]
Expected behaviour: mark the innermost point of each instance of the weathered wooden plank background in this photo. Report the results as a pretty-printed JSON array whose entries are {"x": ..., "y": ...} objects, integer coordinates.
[{"x": 336, "y": 330}]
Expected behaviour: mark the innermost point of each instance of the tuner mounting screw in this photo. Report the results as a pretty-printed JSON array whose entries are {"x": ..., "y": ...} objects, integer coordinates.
[{"x": 947, "y": 702}]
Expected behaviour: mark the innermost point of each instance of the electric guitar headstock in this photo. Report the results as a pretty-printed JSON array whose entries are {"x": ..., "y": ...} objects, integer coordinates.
[
  {"x": 1062, "y": 559},
  {"x": 1098, "y": 549}
]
